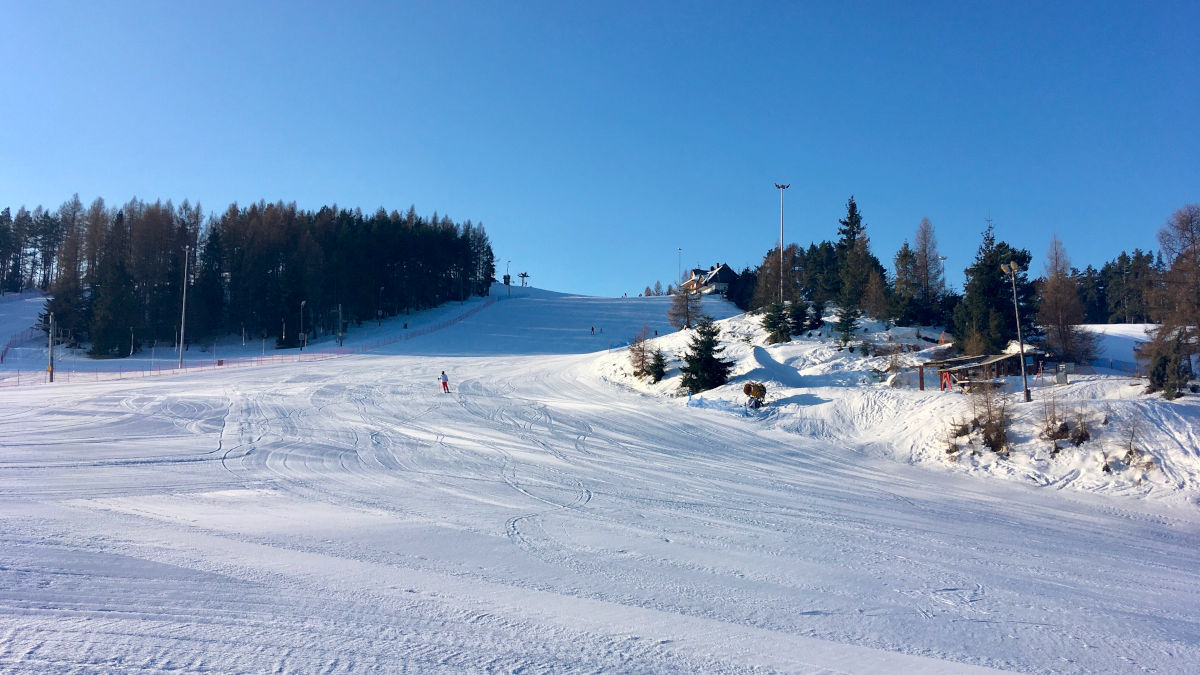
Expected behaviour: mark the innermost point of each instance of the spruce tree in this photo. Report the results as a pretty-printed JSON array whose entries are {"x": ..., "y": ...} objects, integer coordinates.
[
  {"x": 984, "y": 321},
  {"x": 775, "y": 322},
  {"x": 741, "y": 291},
  {"x": 703, "y": 367},
  {"x": 797, "y": 316},
  {"x": 816, "y": 315},
  {"x": 848, "y": 315},
  {"x": 904, "y": 297},
  {"x": 658, "y": 365}
]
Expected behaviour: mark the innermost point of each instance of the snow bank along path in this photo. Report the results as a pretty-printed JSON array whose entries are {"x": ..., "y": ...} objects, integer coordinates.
[{"x": 345, "y": 515}]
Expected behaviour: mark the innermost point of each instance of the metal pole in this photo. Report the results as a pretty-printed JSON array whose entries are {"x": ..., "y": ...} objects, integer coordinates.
[
  {"x": 50, "y": 335},
  {"x": 781, "y": 189},
  {"x": 1020, "y": 341},
  {"x": 183, "y": 311},
  {"x": 301, "y": 333}
]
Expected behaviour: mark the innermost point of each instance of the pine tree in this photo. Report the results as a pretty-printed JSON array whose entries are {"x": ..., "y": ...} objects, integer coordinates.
[
  {"x": 855, "y": 264},
  {"x": 797, "y": 317},
  {"x": 847, "y": 321},
  {"x": 850, "y": 229},
  {"x": 703, "y": 367},
  {"x": 741, "y": 291},
  {"x": 658, "y": 365},
  {"x": 984, "y": 321},
  {"x": 904, "y": 297},
  {"x": 816, "y": 315},
  {"x": 775, "y": 322},
  {"x": 1092, "y": 294}
]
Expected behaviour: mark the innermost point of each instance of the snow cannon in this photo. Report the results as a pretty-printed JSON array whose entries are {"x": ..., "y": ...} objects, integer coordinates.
[{"x": 757, "y": 391}]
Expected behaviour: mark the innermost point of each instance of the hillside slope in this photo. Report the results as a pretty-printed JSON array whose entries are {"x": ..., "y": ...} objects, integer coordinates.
[
  {"x": 871, "y": 403},
  {"x": 344, "y": 515}
]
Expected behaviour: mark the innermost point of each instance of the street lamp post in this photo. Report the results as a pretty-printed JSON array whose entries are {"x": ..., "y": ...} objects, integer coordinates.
[
  {"x": 183, "y": 311},
  {"x": 1011, "y": 269},
  {"x": 50, "y": 333},
  {"x": 679, "y": 265},
  {"x": 781, "y": 189}
]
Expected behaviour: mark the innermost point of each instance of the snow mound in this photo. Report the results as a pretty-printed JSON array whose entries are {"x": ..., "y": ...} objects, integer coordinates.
[{"x": 1136, "y": 444}]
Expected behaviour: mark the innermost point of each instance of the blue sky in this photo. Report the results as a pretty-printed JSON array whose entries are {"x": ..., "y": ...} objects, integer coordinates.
[{"x": 593, "y": 140}]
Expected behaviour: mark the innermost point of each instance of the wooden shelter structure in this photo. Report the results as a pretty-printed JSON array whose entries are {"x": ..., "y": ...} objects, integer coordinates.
[{"x": 972, "y": 372}]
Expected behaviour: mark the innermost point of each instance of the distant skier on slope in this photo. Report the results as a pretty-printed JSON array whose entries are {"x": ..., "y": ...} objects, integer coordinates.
[{"x": 445, "y": 382}]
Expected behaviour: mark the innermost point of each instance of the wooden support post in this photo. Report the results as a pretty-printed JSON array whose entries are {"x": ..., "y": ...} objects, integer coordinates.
[{"x": 921, "y": 377}]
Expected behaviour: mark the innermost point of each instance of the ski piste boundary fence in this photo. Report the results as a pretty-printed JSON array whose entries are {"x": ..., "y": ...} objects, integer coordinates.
[
  {"x": 24, "y": 337},
  {"x": 68, "y": 375}
]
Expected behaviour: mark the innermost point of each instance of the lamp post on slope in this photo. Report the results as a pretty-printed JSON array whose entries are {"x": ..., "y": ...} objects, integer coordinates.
[
  {"x": 1011, "y": 269},
  {"x": 301, "y": 335},
  {"x": 781, "y": 189},
  {"x": 183, "y": 311}
]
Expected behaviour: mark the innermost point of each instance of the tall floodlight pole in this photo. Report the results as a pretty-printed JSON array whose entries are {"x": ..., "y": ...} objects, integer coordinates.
[
  {"x": 1011, "y": 269},
  {"x": 781, "y": 189},
  {"x": 50, "y": 333},
  {"x": 301, "y": 335},
  {"x": 679, "y": 265},
  {"x": 183, "y": 310}
]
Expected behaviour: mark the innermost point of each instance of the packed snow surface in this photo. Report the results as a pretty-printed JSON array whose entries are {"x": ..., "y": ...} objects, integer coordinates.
[{"x": 554, "y": 514}]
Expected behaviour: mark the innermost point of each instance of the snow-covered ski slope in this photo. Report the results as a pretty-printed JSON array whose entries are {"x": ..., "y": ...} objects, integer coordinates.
[{"x": 345, "y": 516}]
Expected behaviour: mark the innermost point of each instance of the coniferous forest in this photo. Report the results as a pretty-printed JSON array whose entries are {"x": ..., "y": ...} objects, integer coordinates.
[
  {"x": 116, "y": 276},
  {"x": 1054, "y": 297}
]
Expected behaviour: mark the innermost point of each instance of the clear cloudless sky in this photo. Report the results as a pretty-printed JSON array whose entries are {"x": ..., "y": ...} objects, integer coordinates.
[{"x": 595, "y": 139}]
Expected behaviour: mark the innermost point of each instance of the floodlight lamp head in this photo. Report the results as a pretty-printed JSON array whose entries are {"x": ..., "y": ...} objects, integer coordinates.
[{"x": 783, "y": 187}]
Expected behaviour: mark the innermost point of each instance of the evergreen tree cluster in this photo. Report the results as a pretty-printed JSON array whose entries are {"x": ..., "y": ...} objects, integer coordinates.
[
  {"x": 116, "y": 275},
  {"x": 1137, "y": 287}
]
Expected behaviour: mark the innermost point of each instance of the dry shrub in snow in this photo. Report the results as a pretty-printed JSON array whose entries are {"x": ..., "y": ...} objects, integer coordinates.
[
  {"x": 1053, "y": 428},
  {"x": 639, "y": 353},
  {"x": 1081, "y": 433},
  {"x": 990, "y": 408}
]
